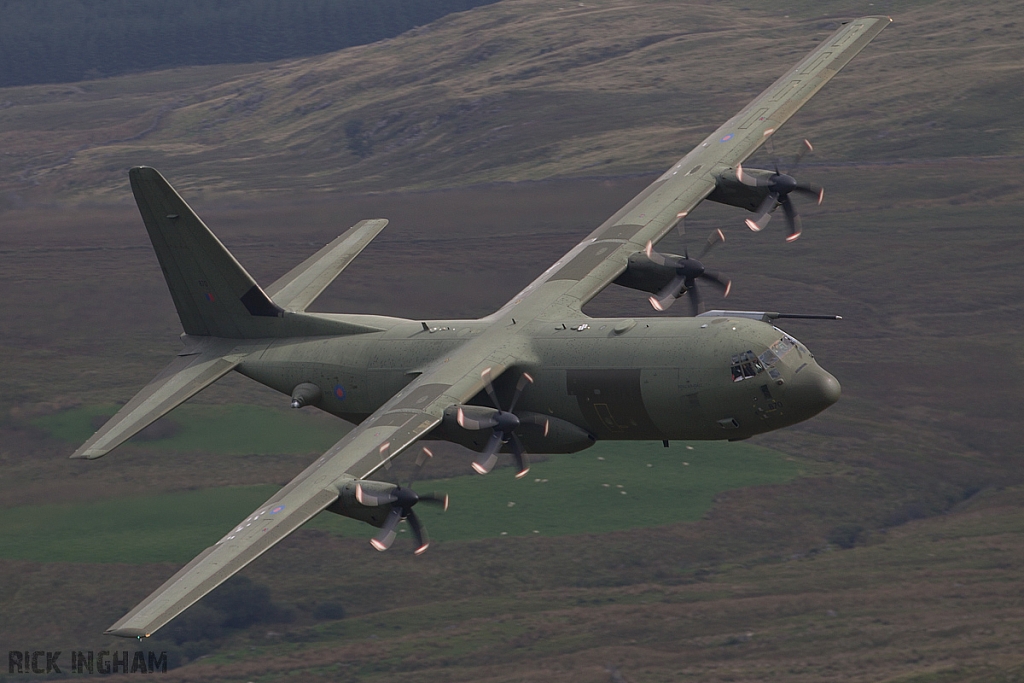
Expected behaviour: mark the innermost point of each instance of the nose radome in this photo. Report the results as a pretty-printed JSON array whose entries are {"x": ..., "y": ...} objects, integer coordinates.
[
  {"x": 815, "y": 389},
  {"x": 829, "y": 386}
]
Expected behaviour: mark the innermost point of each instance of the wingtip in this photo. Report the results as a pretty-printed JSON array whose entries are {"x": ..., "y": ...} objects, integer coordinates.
[
  {"x": 87, "y": 454},
  {"x": 126, "y": 632},
  {"x": 143, "y": 172}
]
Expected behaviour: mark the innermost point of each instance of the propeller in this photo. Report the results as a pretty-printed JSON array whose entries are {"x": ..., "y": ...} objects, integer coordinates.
[
  {"x": 402, "y": 499},
  {"x": 780, "y": 185},
  {"x": 503, "y": 425},
  {"x": 688, "y": 271}
]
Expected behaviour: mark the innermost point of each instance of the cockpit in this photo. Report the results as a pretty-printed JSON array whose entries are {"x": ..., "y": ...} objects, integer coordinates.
[{"x": 747, "y": 365}]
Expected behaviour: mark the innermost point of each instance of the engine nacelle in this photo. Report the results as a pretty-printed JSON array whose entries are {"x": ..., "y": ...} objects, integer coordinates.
[
  {"x": 348, "y": 505},
  {"x": 562, "y": 436},
  {"x": 730, "y": 190},
  {"x": 644, "y": 274}
]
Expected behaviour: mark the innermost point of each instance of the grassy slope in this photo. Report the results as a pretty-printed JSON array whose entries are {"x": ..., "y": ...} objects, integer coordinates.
[
  {"x": 935, "y": 600},
  {"x": 611, "y": 487},
  {"x": 523, "y": 89}
]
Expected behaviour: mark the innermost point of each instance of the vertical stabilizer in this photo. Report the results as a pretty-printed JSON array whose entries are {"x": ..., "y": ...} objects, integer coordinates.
[{"x": 213, "y": 293}]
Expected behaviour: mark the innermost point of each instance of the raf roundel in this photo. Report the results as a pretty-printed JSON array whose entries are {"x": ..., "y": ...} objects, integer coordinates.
[
  {"x": 277, "y": 509},
  {"x": 339, "y": 392},
  {"x": 727, "y": 138}
]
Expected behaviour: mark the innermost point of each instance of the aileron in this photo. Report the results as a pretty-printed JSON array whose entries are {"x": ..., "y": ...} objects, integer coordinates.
[{"x": 253, "y": 537}]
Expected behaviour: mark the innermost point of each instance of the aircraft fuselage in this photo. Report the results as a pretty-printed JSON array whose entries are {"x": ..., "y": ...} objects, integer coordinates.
[{"x": 650, "y": 379}]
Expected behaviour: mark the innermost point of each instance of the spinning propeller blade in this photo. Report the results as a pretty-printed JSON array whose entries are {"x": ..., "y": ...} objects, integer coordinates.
[
  {"x": 402, "y": 499},
  {"x": 503, "y": 424},
  {"x": 780, "y": 185},
  {"x": 688, "y": 271}
]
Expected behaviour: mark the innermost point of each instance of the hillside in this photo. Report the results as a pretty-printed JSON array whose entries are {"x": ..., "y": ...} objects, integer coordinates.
[
  {"x": 523, "y": 89},
  {"x": 60, "y": 41}
]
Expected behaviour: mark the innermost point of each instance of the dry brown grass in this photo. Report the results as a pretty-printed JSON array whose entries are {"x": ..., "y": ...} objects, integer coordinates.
[{"x": 522, "y": 89}]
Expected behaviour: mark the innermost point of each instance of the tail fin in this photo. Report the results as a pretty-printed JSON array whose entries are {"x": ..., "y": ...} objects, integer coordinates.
[{"x": 213, "y": 293}]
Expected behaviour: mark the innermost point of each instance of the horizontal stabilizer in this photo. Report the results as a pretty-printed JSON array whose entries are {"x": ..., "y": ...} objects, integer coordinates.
[
  {"x": 183, "y": 378},
  {"x": 297, "y": 289}
]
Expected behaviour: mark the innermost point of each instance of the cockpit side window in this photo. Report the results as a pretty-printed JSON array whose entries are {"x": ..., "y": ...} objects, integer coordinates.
[{"x": 745, "y": 365}]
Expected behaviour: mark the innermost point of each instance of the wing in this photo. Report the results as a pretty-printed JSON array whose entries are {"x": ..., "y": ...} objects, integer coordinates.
[
  {"x": 599, "y": 259},
  {"x": 300, "y": 286},
  {"x": 186, "y": 376},
  {"x": 413, "y": 412}
]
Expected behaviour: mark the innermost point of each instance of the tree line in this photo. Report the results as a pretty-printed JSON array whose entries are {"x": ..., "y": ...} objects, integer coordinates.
[{"x": 54, "y": 41}]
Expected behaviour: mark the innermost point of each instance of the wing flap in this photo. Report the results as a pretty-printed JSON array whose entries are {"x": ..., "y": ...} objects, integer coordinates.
[
  {"x": 182, "y": 379},
  {"x": 298, "y": 288}
]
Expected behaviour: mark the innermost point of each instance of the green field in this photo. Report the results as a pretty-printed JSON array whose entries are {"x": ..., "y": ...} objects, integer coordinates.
[
  {"x": 230, "y": 429},
  {"x": 608, "y": 487}
]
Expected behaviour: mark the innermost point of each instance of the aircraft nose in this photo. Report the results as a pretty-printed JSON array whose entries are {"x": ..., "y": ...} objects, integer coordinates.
[
  {"x": 814, "y": 388},
  {"x": 829, "y": 387}
]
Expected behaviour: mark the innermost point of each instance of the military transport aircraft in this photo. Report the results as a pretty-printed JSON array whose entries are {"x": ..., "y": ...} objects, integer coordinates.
[{"x": 537, "y": 375}]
